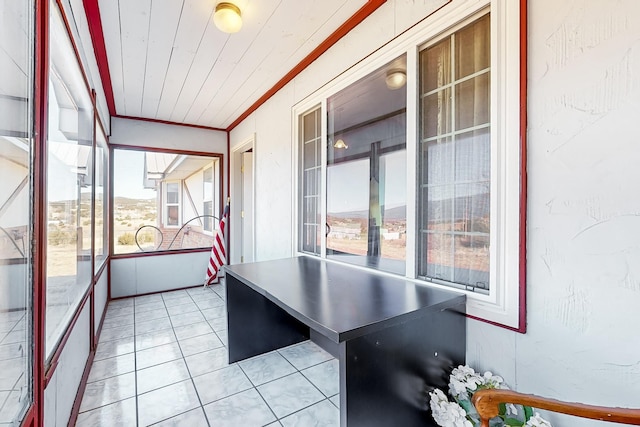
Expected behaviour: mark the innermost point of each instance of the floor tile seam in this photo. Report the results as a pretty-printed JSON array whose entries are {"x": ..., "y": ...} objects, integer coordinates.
[
  {"x": 155, "y": 346},
  {"x": 107, "y": 327},
  {"x": 135, "y": 364},
  {"x": 195, "y": 336},
  {"x": 272, "y": 380},
  {"x": 8, "y": 359},
  {"x": 107, "y": 404},
  {"x": 195, "y": 389},
  {"x": 155, "y": 365},
  {"x": 165, "y": 385},
  {"x": 114, "y": 339},
  {"x": 154, "y": 330},
  {"x": 313, "y": 384},
  {"x": 329, "y": 399},
  {"x": 177, "y": 415},
  {"x": 110, "y": 376},
  {"x": 268, "y": 406},
  {"x": 302, "y": 409}
]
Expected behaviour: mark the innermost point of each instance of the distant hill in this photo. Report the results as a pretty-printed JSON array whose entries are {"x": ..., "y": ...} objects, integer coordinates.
[
  {"x": 397, "y": 213},
  {"x": 125, "y": 201}
]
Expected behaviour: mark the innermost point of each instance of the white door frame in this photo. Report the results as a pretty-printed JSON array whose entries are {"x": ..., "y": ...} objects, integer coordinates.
[{"x": 235, "y": 220}]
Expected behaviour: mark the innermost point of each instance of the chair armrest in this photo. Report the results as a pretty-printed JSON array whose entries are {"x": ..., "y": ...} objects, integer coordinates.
[{"x": 487, "y": 401}]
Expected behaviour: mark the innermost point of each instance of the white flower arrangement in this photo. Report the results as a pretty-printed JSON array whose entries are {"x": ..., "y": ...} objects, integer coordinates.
[{"x": 463, "y": 382}]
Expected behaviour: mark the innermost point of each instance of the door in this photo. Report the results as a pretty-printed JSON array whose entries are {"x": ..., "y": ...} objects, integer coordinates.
[{"x": 247, "y": 207}]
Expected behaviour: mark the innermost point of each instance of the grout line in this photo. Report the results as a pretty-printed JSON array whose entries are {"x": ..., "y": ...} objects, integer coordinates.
[
  {"x": 135, "y": 362},
  {"x": 184, "y": 360}
]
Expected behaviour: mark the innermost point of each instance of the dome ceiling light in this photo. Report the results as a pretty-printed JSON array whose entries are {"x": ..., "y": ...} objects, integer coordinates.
[
  {"x": 228, "y": 17},
  {"x": 395, "y": 79}
]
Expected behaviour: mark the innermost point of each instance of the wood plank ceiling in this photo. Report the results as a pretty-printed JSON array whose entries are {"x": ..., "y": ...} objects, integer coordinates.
[{"x": 169, "y": 62}]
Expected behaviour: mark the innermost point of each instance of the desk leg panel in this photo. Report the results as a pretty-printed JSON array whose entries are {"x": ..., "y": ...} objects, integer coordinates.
[
  {"x": 385, "y": 376},
  {"x": 256, "y": 325}
]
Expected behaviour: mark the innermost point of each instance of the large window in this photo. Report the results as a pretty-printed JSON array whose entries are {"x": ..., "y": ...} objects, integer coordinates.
[
  {"x": 16, "y": 106},
  {"x": 422, "y": 172},
  {"x": 69, "y": 184},
  {"x": 455, "y": 159},
  {"x": 366, "y": 164},
  {"x": 164, "y": 201}
]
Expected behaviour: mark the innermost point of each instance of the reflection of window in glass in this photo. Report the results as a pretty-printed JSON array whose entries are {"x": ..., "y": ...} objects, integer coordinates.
[
  {"x": 310, "y": 160},
  {"x": 16, "y": 195},
  {"x": 454, "y": 161},
  {"x": 173, "y": 203},
  {"x": 69, "y": 185},
  {"x": 159, "y": 199},
  {"x": 207, "y": 179},
  {"x": 101, "y": 178},
  {"x": 366, "y": 171}
]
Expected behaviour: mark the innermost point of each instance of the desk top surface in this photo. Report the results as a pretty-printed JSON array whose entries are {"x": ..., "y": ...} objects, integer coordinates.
[{"x": 339, "y": 301}]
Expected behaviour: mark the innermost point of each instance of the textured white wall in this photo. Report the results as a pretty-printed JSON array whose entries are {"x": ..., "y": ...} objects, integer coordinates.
[
  {"x": 583, "y": 268},
  {"x": 583, "y": 258}
]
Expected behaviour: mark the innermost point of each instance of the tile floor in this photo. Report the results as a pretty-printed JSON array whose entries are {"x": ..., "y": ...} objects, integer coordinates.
[{"x": 162, "y": 360}]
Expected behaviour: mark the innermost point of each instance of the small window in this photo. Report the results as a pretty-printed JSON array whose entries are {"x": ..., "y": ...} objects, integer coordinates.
[{"x": 173, "y": 204}]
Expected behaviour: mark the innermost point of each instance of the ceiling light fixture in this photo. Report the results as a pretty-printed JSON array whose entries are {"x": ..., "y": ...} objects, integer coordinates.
[
  {"x": 228, "y": 17},
  {"x": 395, "y": 79},
  {"x": 340, "y": 144}
]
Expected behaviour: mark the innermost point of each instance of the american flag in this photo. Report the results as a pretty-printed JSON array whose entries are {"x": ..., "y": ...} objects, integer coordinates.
[{"x": 218, "y": 253}]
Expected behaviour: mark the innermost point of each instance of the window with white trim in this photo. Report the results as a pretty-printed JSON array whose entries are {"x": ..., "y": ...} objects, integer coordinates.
[
  {"x": 462, "y": 163},
  {"x": 454, "y": 161},
  {"x": 310, "y": 162},
  {"x": 172, "y": 204}
]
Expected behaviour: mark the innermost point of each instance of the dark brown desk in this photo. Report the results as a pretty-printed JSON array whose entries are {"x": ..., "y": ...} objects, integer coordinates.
[{"x": 394, "y": 339}]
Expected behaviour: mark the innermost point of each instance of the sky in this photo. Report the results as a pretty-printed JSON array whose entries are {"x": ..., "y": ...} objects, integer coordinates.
[{"x": 128, "y": 175}]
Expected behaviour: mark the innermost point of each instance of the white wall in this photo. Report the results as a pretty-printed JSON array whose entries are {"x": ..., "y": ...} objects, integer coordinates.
[
  {"x": 61, "y": 391},
  {"x": 147, "y": 274},
  {"x": 583, "y": 225},
  {"x": 158, "y": 135},
  {"x": 100, "y": 295},
  {"x": 583, "y": 279}
]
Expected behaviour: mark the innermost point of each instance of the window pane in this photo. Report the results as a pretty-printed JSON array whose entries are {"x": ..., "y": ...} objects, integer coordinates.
[
  {"x": 473, "y": 48},
  {"x": 160, "y": 200},
  {"x": 16, "y": 106},
  {"x": 437, "y": 117},
  {"x": 472, "y": 102},
  {"x": 207, "y": 179},
  {"x": 347, "y": 207},
  {"x": 69, "y": 182},
  {"x": 473, "y": 156},
  {"x": 173, "y": 195},
  {"x": 455, "y": 160},
  {"x": 435, "y": 66},
  {"x": 207, "y": 219},
  {"x": 437, "y": 159},
  {"x": 366, "y": 172},
  {"x": 309, "y": 216}
]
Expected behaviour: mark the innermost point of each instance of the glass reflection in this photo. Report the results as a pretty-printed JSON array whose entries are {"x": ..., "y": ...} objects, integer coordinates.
[{"x": 16, "y": 76}]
